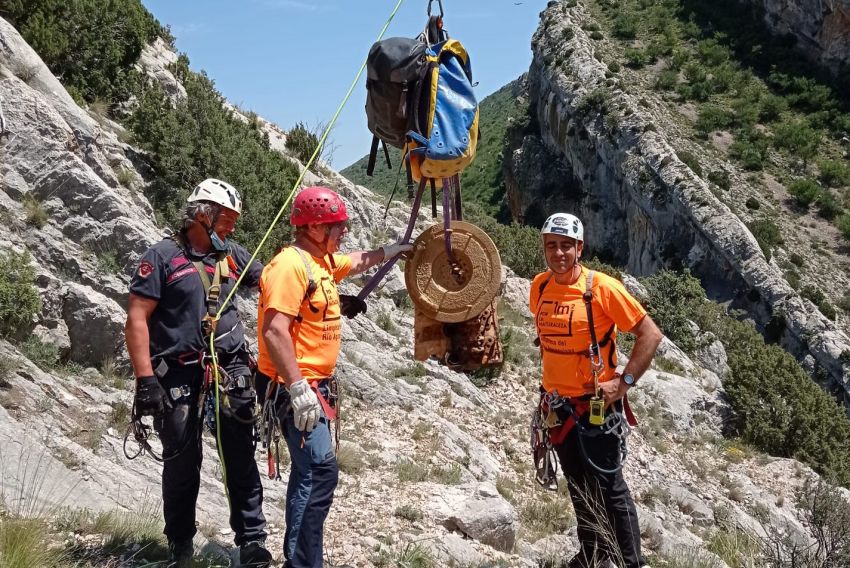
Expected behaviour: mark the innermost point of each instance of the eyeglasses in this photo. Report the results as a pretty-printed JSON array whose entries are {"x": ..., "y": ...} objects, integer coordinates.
[{"x": 341, "y": 226}]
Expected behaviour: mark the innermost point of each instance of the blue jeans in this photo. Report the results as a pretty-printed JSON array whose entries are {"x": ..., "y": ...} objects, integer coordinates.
[{"x": 313, "y": 478}]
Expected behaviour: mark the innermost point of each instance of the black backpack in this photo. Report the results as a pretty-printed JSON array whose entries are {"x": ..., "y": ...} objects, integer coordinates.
[{"x": 394, "y": 68}]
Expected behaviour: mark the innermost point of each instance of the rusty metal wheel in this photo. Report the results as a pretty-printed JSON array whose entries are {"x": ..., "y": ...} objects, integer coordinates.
[{"x": 453, "y": 292}]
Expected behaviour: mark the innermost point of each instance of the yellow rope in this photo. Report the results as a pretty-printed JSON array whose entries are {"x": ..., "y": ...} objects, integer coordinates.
[{"x": 274, "y": 222}]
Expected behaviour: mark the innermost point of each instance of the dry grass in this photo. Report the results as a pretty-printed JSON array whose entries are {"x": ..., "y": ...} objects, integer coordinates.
[{"x": 350, "y": 459}]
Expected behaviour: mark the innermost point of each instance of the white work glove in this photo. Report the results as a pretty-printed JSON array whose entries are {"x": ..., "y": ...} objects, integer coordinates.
[
  {"x": 305, "y": 405},
  {"x": 390, "y": 251}
]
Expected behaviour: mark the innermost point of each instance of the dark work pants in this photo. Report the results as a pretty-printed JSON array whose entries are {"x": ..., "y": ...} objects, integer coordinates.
[
  {"x": 180, "y": 433},
  {"x": 605, "y": 512}
]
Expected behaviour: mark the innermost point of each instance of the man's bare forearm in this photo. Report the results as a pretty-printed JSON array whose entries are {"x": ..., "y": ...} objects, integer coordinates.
[
  {"x": 648, "y": 337},
  {"x": 281, "y": 351},
  {"x": 363, "y": 260},
  {"x": 137, "y": 336}
]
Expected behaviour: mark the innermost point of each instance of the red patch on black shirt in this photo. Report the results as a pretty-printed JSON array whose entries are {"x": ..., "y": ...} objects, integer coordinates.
[{"x": 145, "y": 269}]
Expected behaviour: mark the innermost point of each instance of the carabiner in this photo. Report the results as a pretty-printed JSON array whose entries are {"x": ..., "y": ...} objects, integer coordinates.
[{"x": 440, "y": 2}]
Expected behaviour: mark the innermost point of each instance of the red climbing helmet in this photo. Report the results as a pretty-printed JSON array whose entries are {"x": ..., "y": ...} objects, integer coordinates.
[{"x": 317, "y": 205}]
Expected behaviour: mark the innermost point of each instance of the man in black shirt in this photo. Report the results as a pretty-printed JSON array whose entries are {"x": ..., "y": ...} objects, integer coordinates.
[{"x": 175, "y": 294}]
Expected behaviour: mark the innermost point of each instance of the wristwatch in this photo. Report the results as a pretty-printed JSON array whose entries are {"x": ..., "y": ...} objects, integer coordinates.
[{"x": 629, "y": 379}]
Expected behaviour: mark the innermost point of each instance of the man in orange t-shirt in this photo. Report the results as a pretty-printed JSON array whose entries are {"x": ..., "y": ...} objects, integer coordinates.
[
  {"x": 299, "y": 336},
  {"x": 590, "y": 464}
]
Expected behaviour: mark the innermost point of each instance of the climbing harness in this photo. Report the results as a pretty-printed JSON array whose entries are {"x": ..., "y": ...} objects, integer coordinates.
[
  {"x": 271, "y": 426},
  {"x": 237, "y": 401},
  {"x": 212, "y": 288}
]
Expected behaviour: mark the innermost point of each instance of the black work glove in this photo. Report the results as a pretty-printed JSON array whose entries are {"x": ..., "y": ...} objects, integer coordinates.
[
  {"x": 351, "y": 306},
  {"x": 151, "y": 398}
]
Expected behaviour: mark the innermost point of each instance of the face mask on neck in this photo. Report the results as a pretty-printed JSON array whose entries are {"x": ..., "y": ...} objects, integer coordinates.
[{"x": 218, "y": 245}]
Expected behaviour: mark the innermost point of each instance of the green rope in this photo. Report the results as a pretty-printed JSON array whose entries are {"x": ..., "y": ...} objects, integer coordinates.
[{"x": 274, "y": 222}]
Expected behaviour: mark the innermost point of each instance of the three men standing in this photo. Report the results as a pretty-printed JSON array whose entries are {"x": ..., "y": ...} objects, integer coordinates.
[{"x": 173, "y": 305}]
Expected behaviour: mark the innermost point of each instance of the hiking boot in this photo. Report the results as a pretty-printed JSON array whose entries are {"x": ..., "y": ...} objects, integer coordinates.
[
  {"x": 254, "y": 554},
  {"x": 181, "y": 554}
]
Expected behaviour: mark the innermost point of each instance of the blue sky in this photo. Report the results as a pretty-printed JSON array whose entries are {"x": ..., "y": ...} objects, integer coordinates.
[{"x": 293, "y": 60}]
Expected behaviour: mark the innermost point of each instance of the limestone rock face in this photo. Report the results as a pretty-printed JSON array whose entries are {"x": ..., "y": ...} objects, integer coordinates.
[
  {"x": 63, "y": 164},
  {"x": 154, "y": 61},
  {"x": 478, "y": 512},
  {"x": 821, "y": 27}
]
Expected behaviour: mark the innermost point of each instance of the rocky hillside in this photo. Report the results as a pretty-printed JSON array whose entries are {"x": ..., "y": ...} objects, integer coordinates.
[{"x": 435, "y": 465}]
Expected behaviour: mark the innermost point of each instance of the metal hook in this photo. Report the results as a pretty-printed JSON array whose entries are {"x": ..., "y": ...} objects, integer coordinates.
[{"x": 440, "y": 2}]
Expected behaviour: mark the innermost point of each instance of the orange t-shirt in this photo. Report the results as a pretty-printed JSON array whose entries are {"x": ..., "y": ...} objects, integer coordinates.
[
  {"x": 560, "y": 317},
  {"x": 317, "y": 336}
]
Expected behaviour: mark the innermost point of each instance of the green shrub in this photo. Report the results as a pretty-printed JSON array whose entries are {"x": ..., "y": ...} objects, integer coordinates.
[
  {"x": 721, "y": 179},
  {"x": 199, "y": 138},
  {"x": 789, "y": 414},
  {"x": 752, "y": 203},
  {"x": 844, "y": 302},
  {"x": 711, "y": 117},
  {"x": 673, "y": 299},
  {"x": 804, "y": 190},
  {"x": 798, "y": 138},
  {"x": 36, "y": 216},
  {"x": 415, "y": 556},
  {"x": 408, "y": 512},
  {"x": 828, "y": 206},
  {"x": 793, "y": 278},
  {"x": 690, "y": 160},
  {"x": 711, "y": 53},
  {"x": 767, "y": 235},
  {"x": 818, "y": 298},
  {"x": 44, "y": 355},
  {"x": 625, "y": 25},
  {"x": 750, "y": 148},
  {"x": 91, "y": 45},
  {"x": 595, "y": 100},
  {"x": 597, "y": 35},
  {"x": 302, "y": 142},
  {"x": 635, "y": 58},
  {"x": 19, "y": 299},
  {"x": 843, "y": 224},
  {"x": 568, "y": 34},
  {"x": 614, "y": 66},
  {"x": 833, "y": 173},
  {"x": 519, "y": 245},
  {"x": 770, "y": 107},
  {"x": 667, "y": 80},
  {"x": 796, "y": 259}
]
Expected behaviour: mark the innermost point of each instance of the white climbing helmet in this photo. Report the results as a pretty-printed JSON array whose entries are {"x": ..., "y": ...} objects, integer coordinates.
[
  {"x": 563, "y": 224},
  {"x": 219, "y": 192}
]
